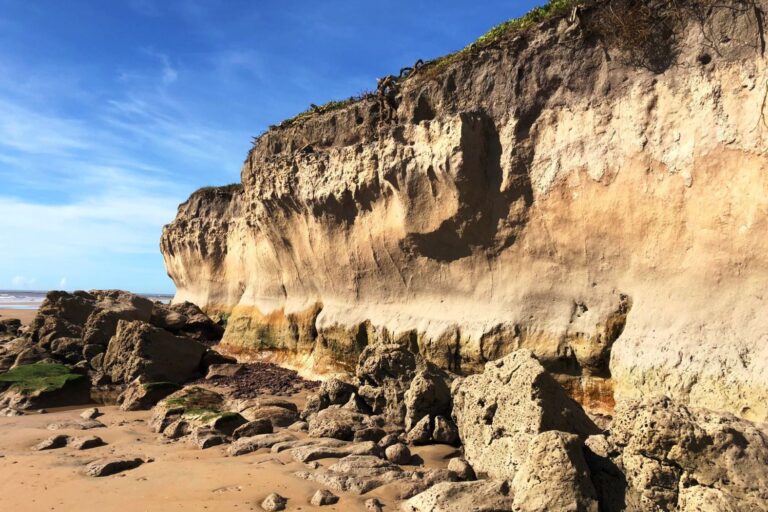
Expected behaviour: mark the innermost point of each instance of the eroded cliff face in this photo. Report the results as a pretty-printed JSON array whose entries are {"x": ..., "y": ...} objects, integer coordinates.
[{"x": 551, "y": 192}]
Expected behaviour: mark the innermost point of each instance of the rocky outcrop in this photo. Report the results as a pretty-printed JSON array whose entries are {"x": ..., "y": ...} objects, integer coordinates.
[
  {"x": 593, "y": 195},
  {"x": 500, "y": 412}
]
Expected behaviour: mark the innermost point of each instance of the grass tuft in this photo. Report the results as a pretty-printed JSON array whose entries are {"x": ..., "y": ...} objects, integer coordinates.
[{"x": 39, "y": 377}]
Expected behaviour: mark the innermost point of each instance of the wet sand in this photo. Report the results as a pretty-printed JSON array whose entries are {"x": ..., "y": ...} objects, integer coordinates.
[
  {"x": 181, "y": 478},
  {"x": 25, "y": 315}
]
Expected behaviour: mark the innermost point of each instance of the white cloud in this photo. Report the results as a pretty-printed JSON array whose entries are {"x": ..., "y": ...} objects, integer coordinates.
[
  {"x": 23, "y": 283},
  {"x": 63, "y": 283}
]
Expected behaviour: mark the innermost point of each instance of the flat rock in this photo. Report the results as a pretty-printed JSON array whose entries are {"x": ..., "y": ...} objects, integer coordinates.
[
  {"x": 318, "y": 442},
  {"x": 76, "y": 425},
  {"x": 86, "y": 443},
  {"x": 246, "y": 445},
  {"x": 279, "y": 416},
  {"x": 315, "y": 452},
  {"x": 111, "y": 466},
  {"x": 482, "y": 496}
]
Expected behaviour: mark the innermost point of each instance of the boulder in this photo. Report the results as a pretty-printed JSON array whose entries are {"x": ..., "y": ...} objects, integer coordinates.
[
  {"x": 337, "y": 423},
  {"x": 500, "y": 411},
  {"x": 52, "y": 443},
  {"x": 253, "y": 428},
  {"x": 421, "y": 433},
  {"x": 667, "y": 447},
  {"x": 193, "y": 408},
  {"x": 278, "y": 416},
  {"x": 188, "y": 320},
  {"x": 428, "y": 395},
  {"x": 462, "y": 469},
  {"x": 332, "y": 392},
  {"x": 554, "y": 476},
  {"x": 140, "y": 350},
  {"x": 398, "y": 454},
  {"x": 386, "y": 372},
  {"x": 141, "y": 395},
  {"x": 43, "y": 385}
]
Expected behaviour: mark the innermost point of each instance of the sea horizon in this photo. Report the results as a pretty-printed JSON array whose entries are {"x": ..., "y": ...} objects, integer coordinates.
[{"x": 32, "y": 299}]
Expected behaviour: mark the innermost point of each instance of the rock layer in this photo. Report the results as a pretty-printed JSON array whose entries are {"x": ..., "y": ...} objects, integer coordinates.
[{"x": 601, "y": 205}]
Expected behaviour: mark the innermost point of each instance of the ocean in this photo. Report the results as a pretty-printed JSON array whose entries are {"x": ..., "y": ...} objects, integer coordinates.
[{"x": 14, "y": 299}]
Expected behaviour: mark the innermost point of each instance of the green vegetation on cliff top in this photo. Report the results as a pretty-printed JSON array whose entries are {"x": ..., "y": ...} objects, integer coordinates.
[
  {"x": 432, "y": 68},
  {"x": 39, "y": 377}
]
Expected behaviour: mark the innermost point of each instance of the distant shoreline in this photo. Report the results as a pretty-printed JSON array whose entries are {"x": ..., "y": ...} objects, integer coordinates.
[{"x": 25, "y": 315}]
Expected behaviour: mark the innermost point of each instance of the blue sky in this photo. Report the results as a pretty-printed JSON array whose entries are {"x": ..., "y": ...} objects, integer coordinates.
[{"x": 113, "y": 112}]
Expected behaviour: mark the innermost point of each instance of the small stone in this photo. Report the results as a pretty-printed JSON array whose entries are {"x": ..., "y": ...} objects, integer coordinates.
[
  {"x": 90, "y": 414},
  {"x": 324, "y": 497},
  {"x": 374, "y": 505},
  {"x": 462, "y": 469},
  {"x": 398, "y": 454},
  {"x": 52, "y": 443},
  {"x": 274, "y": 502},
  {"x": 86, "y": 443}
]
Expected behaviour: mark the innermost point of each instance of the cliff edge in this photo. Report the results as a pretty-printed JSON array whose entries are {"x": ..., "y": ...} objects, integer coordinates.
[{"x": 591, "y": 184}]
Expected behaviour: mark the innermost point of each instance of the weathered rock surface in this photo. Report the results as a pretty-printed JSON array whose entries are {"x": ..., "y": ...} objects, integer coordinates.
[
  {"x": 141, "y": 350},
  {"x": 561, "y": 190},
  {"x": 319, "y": 451},
  {"x": 52, "y": 443},
  {"x": 141, "y": 395},
  {"x": 274, "y": 502},
  {"x": 107, "y": 467},
  {"x": 246, "y": 445},
  {"x": 483, "y": 496},
  {"x": 323, "y": 497},
  {"x": 499, "y": 412},
  {"x": 253, "y": 428},
  {"x": 86, "y": 443}
]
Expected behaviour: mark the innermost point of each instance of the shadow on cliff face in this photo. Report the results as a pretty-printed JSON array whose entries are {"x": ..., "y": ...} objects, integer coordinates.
[{"x": 483, "y": 219}]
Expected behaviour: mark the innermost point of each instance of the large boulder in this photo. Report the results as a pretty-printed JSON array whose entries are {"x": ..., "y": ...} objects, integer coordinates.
[
  {"x": 499, "y": 412},
  {"x": 429, "y": 394},
  {"x": 672, "y": 454},
  {"x": 141, "y": 395},
  {"x": 43, "y": 385},
  {"x": 141, "y": 350}
]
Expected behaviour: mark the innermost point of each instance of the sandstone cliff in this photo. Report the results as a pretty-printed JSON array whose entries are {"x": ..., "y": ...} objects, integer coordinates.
[{"x": 593, "y": 188}]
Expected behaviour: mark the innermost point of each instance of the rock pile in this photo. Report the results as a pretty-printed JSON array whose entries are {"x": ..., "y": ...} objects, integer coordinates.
[{"x": 113, "y": 337}]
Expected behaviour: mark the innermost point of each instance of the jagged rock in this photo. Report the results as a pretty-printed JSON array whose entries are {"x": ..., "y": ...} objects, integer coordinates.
[
  {"x": 68, "y": 349},
  {"x": 52, "y": 443},
  {"x": 90, "y": 414},
  {"x": 177, "y": 429},
  {"x": 423, "y": 480},
  {"x": 323, "y": 497},
  {"x": 253, "y": 428},
  {"x": 141, "y": 350},
  {"x": 462, "y": 469},
  {"x": 91, "y": 351},
  {"x": 369, "y": 434},
  {"x": 667, "y": 446},
  {"x": 554, "y": 476},
  {"x": 318, "y": 452},
  {"x": 445, "y": 431},
  {"x": 421, "y": 433},
  {"x": 386, "y": 371},
  {"x": 111, "y": 466},
  {"x": 373, "y": 505},
  {"x": 10, "y": 326},
  {"x": 499, "y": 412},
  {"x": 278, "y": 416},
  {"x": 336, "y": 422},
  {"x": 398, "y": 454},
  {"x": 76, "y": 425},
  {"x": 428, "y": 395},
  {"x": 188, "y": 320},
  {"x": 274, "y": 502},
  {"x": 332, "y": 392},
  {"x": 141, "y": 395},
  {"x": 482, "y": 496},
  {"x": 86, "y": 443},
  {"x": 224, "y": 370},
  {"x": 246, "y": 445}
]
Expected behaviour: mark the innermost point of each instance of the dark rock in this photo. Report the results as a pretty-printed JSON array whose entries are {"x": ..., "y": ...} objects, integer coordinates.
[
  {"x": 141, "y": 395},
  {"x": 253, "y": 428},
  {"x": 86, "y": 443},
  {"x": 445, "y": 431},
  {"x": 52, "y": 443},
  {"x": 369, "y": 434},
  {"x": 106, "y": 467}
]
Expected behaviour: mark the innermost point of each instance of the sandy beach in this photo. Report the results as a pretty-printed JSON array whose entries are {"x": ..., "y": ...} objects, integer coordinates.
[
  {"x": 25, "y": 315},
  {"x": 180, "y": 478}
]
